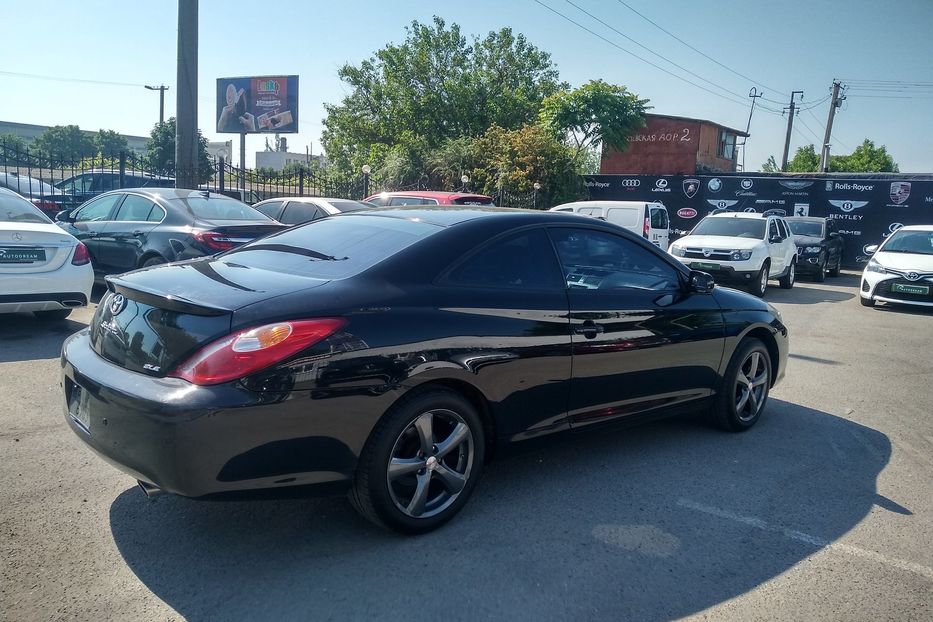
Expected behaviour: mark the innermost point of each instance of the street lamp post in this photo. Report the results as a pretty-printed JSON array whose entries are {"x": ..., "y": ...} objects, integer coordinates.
[
  {"x": 466, "y": 180},
  {"x": 534, "y": 196},
  {"x": 366, "y": 171},
  {"x": 161, "y": 89}
]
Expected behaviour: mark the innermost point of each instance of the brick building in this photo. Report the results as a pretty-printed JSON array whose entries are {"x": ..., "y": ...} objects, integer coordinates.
[{"x": 670, "y": 145}]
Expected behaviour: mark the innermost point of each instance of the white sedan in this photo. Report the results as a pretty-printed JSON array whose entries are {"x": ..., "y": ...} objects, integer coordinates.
[
  {"x": 901, "y": 269},
  {"x": 42, "y": 269}
]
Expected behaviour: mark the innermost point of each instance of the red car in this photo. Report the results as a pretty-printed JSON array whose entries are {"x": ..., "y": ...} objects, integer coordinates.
[{"x": 429, "y": 197}]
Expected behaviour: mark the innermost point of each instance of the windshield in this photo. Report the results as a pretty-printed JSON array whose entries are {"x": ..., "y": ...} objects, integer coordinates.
[
  {"x": 15, "y": 209},
  {"x": 331, "y": 248},
  {"x": 732, "y": 227},
  {"x": 221, "y": 208},
  {"x": 812, "y": 228},
  {"x": 917, "y": 242}
]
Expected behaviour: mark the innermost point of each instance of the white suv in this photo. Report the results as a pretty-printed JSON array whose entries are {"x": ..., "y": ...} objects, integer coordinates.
[{"x": 744, "y": 248}]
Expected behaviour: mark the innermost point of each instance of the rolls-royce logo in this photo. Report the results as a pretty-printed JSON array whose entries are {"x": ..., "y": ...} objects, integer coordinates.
[
  {"x": 707, "y": 252},
  {"x": 117, "y": 304},
  {"x": 912, "y": 276},
  {"x": 17, "y": 236}
]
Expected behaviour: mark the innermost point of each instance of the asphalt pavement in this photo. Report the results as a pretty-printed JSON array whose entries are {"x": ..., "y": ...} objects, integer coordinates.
[{"x": 823, "y": 511}]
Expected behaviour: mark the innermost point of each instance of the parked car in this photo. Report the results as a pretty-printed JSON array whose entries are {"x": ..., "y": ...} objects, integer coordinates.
[
  {"x": 741, "y": 248},
  {"x": 42, "y": 269},
  {"x": 428, "y": 197},
  {"x": 297, "y": 210},
  {"x": 388, "y": 352},
  {"x": 40, "y": 193},
  {"x": 247, "y": 196},
  {"x": 900, "y": 269},
  {"x": 648, "y": 219},
  {"x": 142, "y": 227},
  {"x": 79, "y": 188},
  {"x": 819, "y": 246}
]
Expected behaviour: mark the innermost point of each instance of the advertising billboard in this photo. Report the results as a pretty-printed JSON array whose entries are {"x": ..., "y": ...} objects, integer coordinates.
[{"x": 257, "y": 105}]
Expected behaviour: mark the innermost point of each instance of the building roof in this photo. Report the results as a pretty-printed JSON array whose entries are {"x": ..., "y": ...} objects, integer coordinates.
[{"x": 676, "y": 118}]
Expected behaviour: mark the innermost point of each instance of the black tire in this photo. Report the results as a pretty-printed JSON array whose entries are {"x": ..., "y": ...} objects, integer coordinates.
[
  {"x": 787, "y": 281},
  {"x": 153, "y": 261},
  {"x": 730, "y": 412},
  {"x": 820, "y": 274},
  {"x": 760, "y": 286},
  {"x": 867, "y": 302},
  {"x": 423, "y": 466},
  {"x": 834, "y": 272},
  {"x": 56, "y": 315}
]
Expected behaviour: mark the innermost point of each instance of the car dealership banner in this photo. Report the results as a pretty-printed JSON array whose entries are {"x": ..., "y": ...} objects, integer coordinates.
[
  {"x": 866, "y": 210},
  {"x": 256, "y": 105}
]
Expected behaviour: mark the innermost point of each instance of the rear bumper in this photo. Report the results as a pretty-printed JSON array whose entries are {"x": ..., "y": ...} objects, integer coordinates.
[
  {"x": 196, "y": 441},
  {"x": 65, "y": 288}
]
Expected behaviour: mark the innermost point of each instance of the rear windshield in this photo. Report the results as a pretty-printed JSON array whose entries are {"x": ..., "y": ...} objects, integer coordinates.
[
  {"x": 732, "y": 227},
  {"x": 806, "y": 227},
  {"x": 331, "y": 248},
  {"x": 221, "y": 208},
  {"x": 349, "y": 206},
  {"x": 26, "y": 185},
  {"x": 15, "y": 209},
  {"x": 479, "y": 200}
]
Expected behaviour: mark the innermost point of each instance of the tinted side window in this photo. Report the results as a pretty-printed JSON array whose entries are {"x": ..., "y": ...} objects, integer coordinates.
[
  {"x": 271, "y": 209},
  {"x": 134, "y": 208},
  {"x": 599, "y": 260},
  {"x": 379, "y": 201},
  {"x": 156, "y": 215},
  {"x": 406, "y": 201},
  {"x": 830, "y": 227},
  {"x": 97, "y": 209},
  {"x": 296, "y": 213},
  {"x": 772, "y": 228},
  {"x": 521, "y": 261},
  {"x": 658, "y": 218},
  {"x": 782, "y": 227},
  {"x": 107, "y": 181}
]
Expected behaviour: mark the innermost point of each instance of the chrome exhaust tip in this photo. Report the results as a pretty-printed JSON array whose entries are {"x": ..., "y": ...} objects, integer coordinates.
[{"x": 149, "y": 490}]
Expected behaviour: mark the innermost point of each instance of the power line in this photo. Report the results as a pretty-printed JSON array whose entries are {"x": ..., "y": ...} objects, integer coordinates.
[
  {"x": 644, "y": 60},
  {"x": 807, "y": 127},
  {"x": 36, "y": 76},
  {"x": 703, "y": 54}
]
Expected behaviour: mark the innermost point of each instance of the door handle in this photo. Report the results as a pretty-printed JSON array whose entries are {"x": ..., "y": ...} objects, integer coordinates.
[
  {"x": 137, "y": 234},
  {"x": 589, "y": 329}
]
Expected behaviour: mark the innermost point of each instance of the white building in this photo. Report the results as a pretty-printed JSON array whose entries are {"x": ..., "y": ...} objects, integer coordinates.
[
  {"x": 277, "y": 160},
  {"x": 221, "y": 150}
]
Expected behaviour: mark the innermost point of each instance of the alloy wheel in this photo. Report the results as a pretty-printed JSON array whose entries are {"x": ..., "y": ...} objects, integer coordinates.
[
  {"x": 751, "y": 386},
  {"x": 430, "y": 463}
]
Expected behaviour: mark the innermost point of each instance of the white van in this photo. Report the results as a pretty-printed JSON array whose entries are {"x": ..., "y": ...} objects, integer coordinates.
[{"x": 645, "y": 218}]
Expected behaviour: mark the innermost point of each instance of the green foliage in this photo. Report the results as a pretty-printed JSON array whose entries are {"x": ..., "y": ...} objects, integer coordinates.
[
  {"x": 595, "y": 113},
  {"x": 771, "y": 166},
  {"x": 66, "y": 141},
  {"x": 109, "y": 143},
  {"x": 865, "y": 159},
  {"x": 160, "y": 149},
  {"x": 266, "y": 173},
  {"x": 806, "y": 160},
  {"x": 12, "y": 149},
  {"x": 293, "y": 169}
]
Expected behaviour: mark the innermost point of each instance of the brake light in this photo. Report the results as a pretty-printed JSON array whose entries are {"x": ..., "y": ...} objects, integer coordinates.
[
  {"x": 81, "y": 256},
  {"x": 254, "y": 349},
  {"x": 647, "y": 228},
  {"x": 49, "y": 207},
  {"x": 214, "y": 241}
]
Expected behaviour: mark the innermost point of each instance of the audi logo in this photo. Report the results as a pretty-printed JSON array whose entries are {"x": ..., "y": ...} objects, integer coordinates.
[{"x": 630, "y": 183}]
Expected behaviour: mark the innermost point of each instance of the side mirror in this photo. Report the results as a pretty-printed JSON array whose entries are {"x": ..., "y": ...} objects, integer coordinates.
[
  {"x": 701, "y": 282},
  {"x": 64, "y": 216},
  {"x": 871, "y": 250},
  {"x": 834, "y": 234}
]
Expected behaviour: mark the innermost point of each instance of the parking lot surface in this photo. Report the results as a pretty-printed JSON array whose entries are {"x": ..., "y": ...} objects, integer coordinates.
[{"x": 823, "y": 511}]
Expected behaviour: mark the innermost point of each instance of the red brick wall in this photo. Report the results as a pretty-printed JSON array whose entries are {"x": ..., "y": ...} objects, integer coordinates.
[{"x": 663, "y": 147}]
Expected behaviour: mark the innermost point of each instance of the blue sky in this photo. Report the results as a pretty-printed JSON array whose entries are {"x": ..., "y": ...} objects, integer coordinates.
[{"x": 799, "y": 45}]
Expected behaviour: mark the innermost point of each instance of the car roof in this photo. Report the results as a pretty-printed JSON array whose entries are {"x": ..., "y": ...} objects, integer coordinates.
[
  {"x": 449, "y": 215},
  {"x": 309, "y": 199},
  {"x": 171, "y": 193},
  {"x": 429, "y": 194},
  {"x": 927, "y": 228},
  {"x": 740, "y": 215}
]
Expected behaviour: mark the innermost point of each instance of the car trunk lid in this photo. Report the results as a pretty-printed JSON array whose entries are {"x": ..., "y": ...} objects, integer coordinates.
[{"x": 30, "y": 248}]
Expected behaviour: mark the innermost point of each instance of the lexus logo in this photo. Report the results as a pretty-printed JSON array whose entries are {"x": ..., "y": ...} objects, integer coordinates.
[
  {"x": 912, "y": 276},
  {"x": 17, "y": 236},
  {"x": 661, "y": 183},
  {"x": 117, "y": 304},
  {"x": 895, "y": 226},
  {"x": 630, "y": 183}
]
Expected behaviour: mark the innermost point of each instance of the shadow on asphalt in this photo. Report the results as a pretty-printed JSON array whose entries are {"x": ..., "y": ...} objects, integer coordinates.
[
  {"x": 814, "y": 293},
  {"x": 653, "y": 523},
  {"x": 23, "y": 337}
]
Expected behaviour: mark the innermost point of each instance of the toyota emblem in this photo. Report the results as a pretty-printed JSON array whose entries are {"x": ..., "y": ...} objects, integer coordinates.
[
  {"x": 117, "y": 304},
  {"x": 912, "y": 276}
]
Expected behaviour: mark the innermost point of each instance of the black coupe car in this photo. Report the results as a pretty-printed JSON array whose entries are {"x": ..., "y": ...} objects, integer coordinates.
[
  {"x": 128, "y": 229},
  {"x": 386, "y": 353},
  {"x": 819, "y": 246}
]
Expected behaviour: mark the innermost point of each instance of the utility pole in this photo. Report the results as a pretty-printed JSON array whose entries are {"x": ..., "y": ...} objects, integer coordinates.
[
  {"x": 161, "y": 89},
  {"x": 186, "y": 97},
  {"x": 834, "y": 103},
  {"x": 790, "y": 126},
  {"x": 754, "y": 95}
]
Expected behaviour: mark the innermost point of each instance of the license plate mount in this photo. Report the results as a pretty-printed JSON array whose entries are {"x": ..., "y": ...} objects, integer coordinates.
[
  {"x": 699, "y": 265},
  {"x": 903, "y": 288},
  {"x": 21, "y": 255},
  {"x": 78, "y": 408}
]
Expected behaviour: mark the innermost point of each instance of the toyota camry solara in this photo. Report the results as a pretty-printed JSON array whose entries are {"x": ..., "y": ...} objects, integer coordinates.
[{"x": 387, "y": 353}]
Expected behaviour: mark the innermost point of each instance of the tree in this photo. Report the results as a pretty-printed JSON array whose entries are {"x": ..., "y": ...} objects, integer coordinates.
[
  {"x": 110, "y": 144},
  {"x": 160, "y": 149},
  {"x": 12, "y": 149},
  {"x": 805, "y": 160},
  {"x": 865, "y": 159},
  {"x": 434, "y": 86},
  {"x": 66, "y": 141},
  {"x": 595, "y": 113},
  {"x": 770, "y": 166}
]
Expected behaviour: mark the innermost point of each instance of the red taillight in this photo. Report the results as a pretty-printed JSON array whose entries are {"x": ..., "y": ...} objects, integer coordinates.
[
  {"x": 647, "y": 228},
  {"x": 214, "y": 241},
  {"x": 81, "y": 256},
  {"x": 49, "y": 207},
  {"x": 254, "y": 349}
]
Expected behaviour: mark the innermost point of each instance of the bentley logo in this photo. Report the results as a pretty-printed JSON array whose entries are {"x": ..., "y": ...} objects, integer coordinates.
[
  {"x": 117, "y": 304},
  {"x": 17, "y": 236},
  {"x": 707, "y": 252},
  {"x": 912, "y": 276},
  {"x": 847, "y": 206}
]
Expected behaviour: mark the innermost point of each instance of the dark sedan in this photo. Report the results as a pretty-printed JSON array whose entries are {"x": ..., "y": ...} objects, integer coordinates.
[
  {"x": 137, "y": 228},
  {"x": 387, "y": 353},
  {"x": 819, "y": 246},
  {"x": 299, "y": 210}
]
